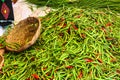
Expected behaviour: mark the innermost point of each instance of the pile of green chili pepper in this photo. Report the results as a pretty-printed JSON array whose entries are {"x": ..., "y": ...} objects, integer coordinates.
[{"x": 74, "y": 44}]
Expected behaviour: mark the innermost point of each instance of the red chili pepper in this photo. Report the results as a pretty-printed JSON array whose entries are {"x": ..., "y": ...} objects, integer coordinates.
[
  {"x": 108, "y": 24},
  {"x": 51, "y": 78},
  {"x": 68, "y": 30},
  {"x": 118, "y": 71},
  {"x": 113, "y": 59},
  {"x": 32, "y": 59},
  {"x": 82, "y": 35},
  {"x": 69, "y": 67},
  {"x": 103, "y": 29},
  {"x": 1, "y": 71},
  {"x": 62, "y": 19},
  {"x": 97, "y": 23},
  {"x": 110, "y": 46},
  {"x": 1, "y": 45},
  {"x": 78, "y": 16},
  {"x": 100, "y": 60},
  {"x": 57, "y": 68},
  {"x": 35, "y": 76},
  {"x": 109, "y": 39},
  {"x": 80, "y": 75},
  {"x": 48, "y": 73},
  {"x": 90, "y": 73},
  {"x": 64, "y": 25},
  {"x": 44, "y": 68},
  {"x": 88, "y": 60},
  {"x": 75, "y": 27},
  {"x": 3, "y": 65},
  {"x": 28, "y": 79}
]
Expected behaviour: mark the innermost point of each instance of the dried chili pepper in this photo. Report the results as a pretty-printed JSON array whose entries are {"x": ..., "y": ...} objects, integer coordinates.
[
  {"x": 69, "y": 67},
  {"x": 36, "y": 76},
  {"x": 68, "y": 30},
  {"x": 75, "y": 27},
  {"x": 103, "y": 29},
  {"x": 100, "y": 60},
  {"x": 118, "y": 71},
  {"x": 108, "y": 24},
  {"x": 82, "y": 35},
  {"x": 28, "y": 79},
  {"x": 80, "y": 75},
  {"x": 88, "y": 60}
]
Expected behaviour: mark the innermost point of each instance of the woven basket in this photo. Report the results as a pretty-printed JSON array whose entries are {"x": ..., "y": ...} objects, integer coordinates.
[{"x": 23, "y": 35}]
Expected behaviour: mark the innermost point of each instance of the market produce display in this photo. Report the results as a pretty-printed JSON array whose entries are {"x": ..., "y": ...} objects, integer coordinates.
[{"x": 75, "y": 43}]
